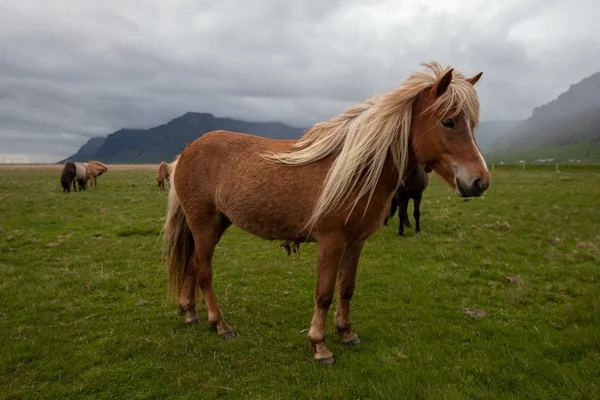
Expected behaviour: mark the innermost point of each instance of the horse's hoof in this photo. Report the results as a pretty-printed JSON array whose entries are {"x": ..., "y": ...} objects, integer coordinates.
[
  {"x": 354, "y": 342},
  {"x": 228, "y": 335},
  {"x": 325, "y": 361},
  {"x": 181, "y": 310},
  {"x": 192, "y": 322}
]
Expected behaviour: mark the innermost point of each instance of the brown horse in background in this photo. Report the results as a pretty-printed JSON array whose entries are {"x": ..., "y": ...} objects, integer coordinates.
[
  {"x": 68, "y": 176},
  {"x": 333, "y": 186},
  {"x": 414, "y": 185},
  {"x": 162, "y": 174},
  {"x": 94, "y": 170}
]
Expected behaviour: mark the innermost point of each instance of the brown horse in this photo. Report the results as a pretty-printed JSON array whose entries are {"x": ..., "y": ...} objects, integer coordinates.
[
  {"x": 162, "y": 174},
  {"x": 333, "y": 187},
  {"x": 94, "y": 169},
  {"x": 414, "y": 185},
  {"x": 67, "y": 177}
]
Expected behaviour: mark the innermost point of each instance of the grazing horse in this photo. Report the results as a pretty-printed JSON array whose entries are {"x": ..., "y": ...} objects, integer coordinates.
[
  {"x": 162, "y": 174},
  {"x": 414, "y": 185},
  {"x": 94, "y": 170},
  {"x": 333, "y": 186},
  {"x": 67, "y": 177},
  {"x": 81, "y": 175}
]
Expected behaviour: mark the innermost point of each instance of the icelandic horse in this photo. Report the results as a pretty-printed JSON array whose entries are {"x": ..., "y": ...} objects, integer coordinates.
[
  {"x": 162, "y": 174},
  {"x": 333, "y": 186},
  {"x": 94, "y": 170}
]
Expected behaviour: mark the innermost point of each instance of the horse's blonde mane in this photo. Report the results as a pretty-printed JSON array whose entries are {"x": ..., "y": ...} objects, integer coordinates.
[{"x": 362, "y": 135}]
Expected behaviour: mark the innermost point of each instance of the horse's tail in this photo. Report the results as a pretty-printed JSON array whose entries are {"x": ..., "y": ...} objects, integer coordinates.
[{"x": 178, "y": 240}]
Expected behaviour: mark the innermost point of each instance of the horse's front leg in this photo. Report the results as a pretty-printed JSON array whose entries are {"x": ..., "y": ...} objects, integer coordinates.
[
  {"x": 346, "y": 282},
  {"x": 330, "y": 254}
]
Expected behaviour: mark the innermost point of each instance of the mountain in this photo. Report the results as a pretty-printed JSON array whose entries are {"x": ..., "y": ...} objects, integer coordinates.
[
  {"x": 87, "y": 151},
  {"x": 165, "y": 141},
  {"x": 565, "y": 128}
]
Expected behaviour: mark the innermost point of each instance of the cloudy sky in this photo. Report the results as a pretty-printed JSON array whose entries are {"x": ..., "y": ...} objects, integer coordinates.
[{"x": 74, "y": 69}]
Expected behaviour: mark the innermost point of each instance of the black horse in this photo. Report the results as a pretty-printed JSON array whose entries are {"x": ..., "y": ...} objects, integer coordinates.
[
  {"x": 67, "y": 177},
  {"x": 412, "y": 188}
]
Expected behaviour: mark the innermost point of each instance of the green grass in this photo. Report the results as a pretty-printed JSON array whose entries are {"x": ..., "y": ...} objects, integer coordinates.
[{"x": 84, "y": 311}]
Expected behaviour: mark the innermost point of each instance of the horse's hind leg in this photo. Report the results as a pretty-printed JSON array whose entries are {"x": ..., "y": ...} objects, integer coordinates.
[
  {"x": 207, "y": 234},
  {"x": 417, "y": 212},
  {"x": 187, "y": 295},
  {"x": 403, "y": 215},
  {"x": 346, "y": 282}
]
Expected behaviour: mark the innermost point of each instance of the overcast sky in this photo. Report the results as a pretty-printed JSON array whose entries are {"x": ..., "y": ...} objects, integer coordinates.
[{"x": 73, "y": 69}]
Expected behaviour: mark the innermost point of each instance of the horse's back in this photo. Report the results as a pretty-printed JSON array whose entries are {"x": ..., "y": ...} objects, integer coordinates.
[
  {"x": 224, "y": 171},
  {"x": 228, "y": 142},
  {"x": 222, "y": 156}
]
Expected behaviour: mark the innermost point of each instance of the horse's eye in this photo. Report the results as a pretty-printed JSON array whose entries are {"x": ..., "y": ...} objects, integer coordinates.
[{"x": 448, "y": 123}]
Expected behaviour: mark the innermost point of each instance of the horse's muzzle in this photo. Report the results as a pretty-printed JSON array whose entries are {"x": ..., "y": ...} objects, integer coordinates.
[{"x": 477, "y": 187}]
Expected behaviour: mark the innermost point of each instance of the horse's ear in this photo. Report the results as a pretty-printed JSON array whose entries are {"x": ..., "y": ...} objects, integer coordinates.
[
  {"x": 474, "y": 79},
  {"x": 443, "y": 83}
]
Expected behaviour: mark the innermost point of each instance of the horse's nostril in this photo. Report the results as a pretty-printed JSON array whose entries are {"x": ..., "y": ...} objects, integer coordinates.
[{"x": 480, "y": 185}]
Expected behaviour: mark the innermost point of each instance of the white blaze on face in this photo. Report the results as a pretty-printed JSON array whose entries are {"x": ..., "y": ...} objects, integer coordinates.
[{"x": 472, "y": 135}]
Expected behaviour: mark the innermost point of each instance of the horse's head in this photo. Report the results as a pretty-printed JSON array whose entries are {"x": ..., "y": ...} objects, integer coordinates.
[{"x": 444, "y": 119}]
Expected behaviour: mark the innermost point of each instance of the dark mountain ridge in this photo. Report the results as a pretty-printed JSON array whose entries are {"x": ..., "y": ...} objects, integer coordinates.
[
  {"x": 165, "y": 141},
  {"x": 567, "y": 127}
]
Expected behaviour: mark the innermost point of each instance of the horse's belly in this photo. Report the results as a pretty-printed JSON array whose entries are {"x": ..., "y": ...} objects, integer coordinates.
[
  {"x": 270, "y": 212},
  {"x": 266, "y": 223}
]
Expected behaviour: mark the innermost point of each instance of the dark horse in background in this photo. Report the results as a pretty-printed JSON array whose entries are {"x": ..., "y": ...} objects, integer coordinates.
[
  {"x": 67, "y": 177},
  {"x": 412, "y": 188}
]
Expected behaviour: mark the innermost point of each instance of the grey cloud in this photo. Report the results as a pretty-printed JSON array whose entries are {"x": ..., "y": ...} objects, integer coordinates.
[{"x": 80, "y": 69}]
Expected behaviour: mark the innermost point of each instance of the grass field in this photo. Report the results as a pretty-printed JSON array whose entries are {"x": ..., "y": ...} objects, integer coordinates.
[{"x": 84, "y": 311}]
